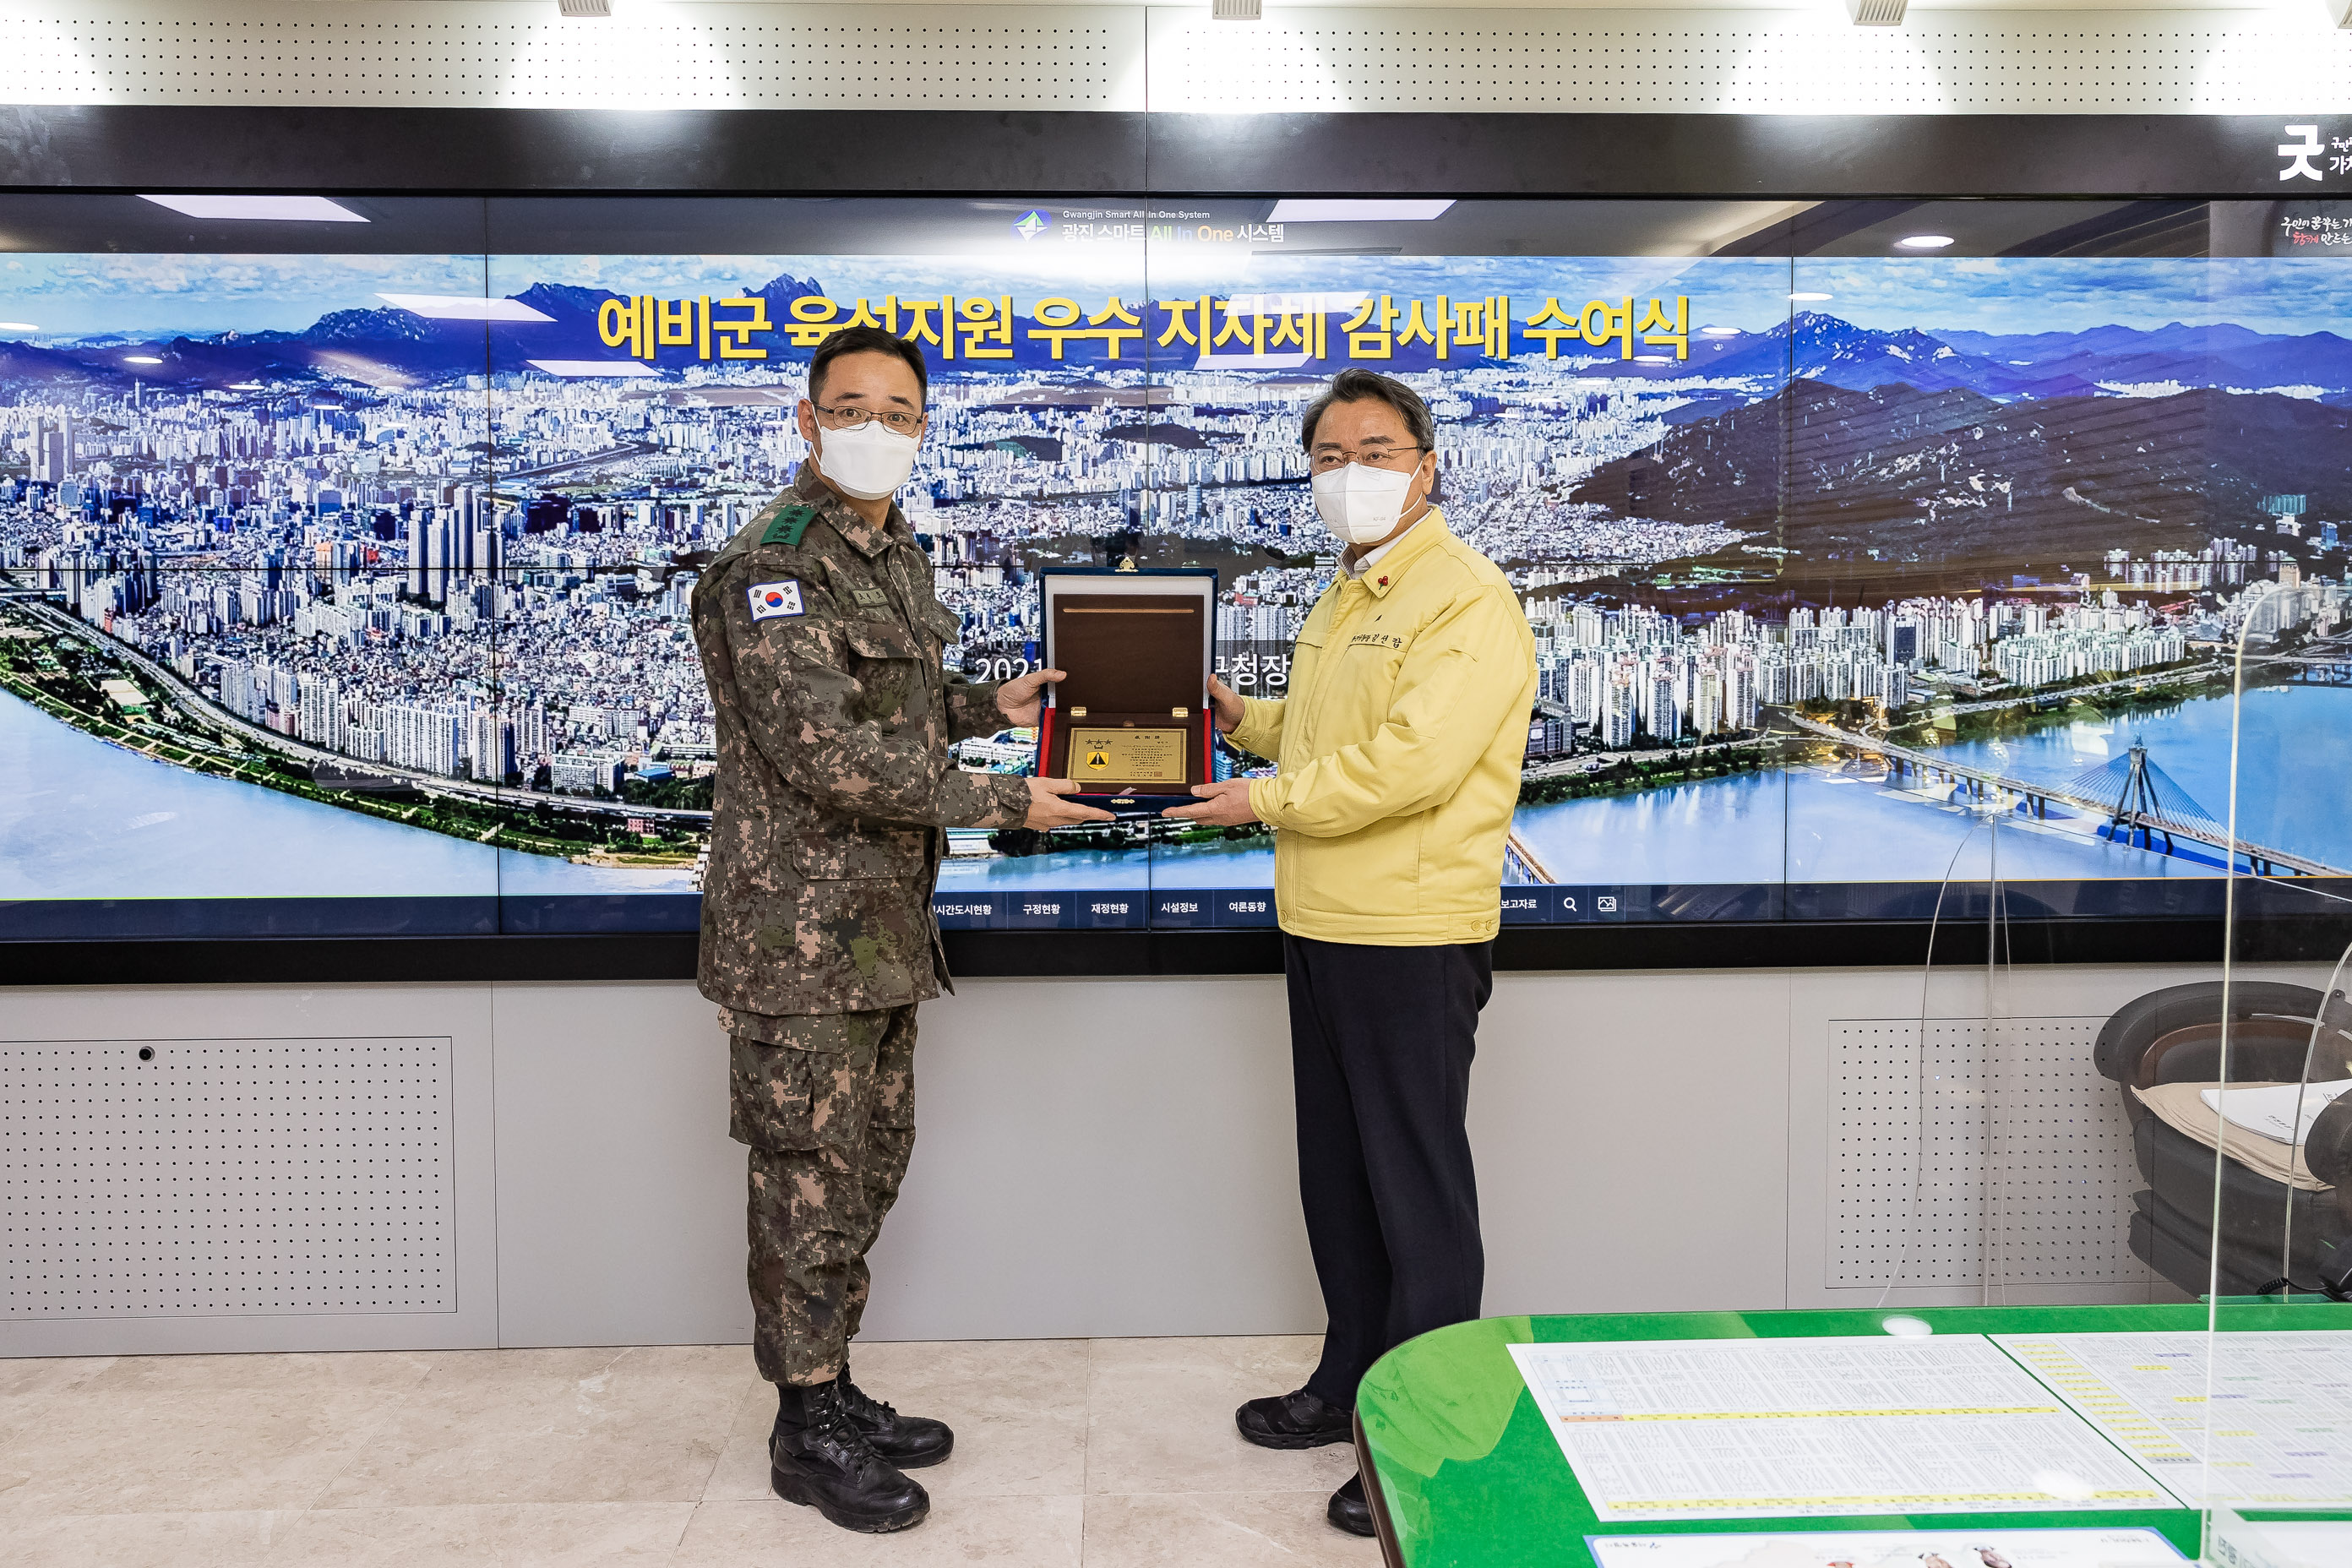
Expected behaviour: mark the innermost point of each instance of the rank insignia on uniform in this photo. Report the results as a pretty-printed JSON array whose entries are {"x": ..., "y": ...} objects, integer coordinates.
[
  {"x": 789, "y": 525},
  {"x": 771, "y": 600}
]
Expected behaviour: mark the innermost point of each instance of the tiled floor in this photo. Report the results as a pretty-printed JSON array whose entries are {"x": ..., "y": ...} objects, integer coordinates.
[{"x": 1120, "y": 1452}]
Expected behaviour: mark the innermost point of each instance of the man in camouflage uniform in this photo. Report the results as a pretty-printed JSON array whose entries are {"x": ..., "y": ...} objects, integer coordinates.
[{"x": 822, "y": 640}]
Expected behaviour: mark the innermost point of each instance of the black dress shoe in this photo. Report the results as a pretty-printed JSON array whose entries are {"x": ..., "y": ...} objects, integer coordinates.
[
  {"x": 817, "y": 1456},
  {"x": 1297, "y": 1420},
  {"x": 909, "y": 1442},
  {"x": 1349, "y": 1508}
]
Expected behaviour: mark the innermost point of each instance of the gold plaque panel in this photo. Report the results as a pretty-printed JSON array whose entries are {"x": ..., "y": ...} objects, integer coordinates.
[{"x": 1123, "y": 756}]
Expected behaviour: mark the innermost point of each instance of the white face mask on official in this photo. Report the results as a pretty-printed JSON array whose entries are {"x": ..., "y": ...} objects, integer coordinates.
[
  {"x": 869, "y": 462},
  {"x": 1362, "y": 504}
]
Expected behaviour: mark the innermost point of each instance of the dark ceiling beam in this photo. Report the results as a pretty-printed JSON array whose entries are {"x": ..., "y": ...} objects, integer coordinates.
[{"x": 922, "y": 152}]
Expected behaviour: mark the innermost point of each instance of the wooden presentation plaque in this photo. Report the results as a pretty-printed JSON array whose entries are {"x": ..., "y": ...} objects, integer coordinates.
[{"x": 1132, "y": 718}]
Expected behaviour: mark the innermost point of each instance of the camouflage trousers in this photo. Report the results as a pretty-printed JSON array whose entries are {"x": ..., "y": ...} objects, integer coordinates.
[{"x": 826, "y": 1104}]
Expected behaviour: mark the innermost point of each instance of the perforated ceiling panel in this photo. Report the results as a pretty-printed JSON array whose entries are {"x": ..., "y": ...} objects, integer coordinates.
[
  {"x": 524, "y": 55},
  {"x": 487, "y": 53},
  {"x": 1751, "y": 62},
  {"x": 1974, "y": 1163},
  {"x": 211, "y": 1177}
]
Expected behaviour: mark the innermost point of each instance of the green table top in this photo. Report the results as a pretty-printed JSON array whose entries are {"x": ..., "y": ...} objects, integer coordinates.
[{"x": 1472, "y": 1479}]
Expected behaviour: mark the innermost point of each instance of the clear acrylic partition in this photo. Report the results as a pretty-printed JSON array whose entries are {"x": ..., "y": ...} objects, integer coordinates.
[
  {"x": 1999, "y": 555},
  {"x": 2272, "y": 1121},
  {"x": 2078, "y": 474},
  {"x": 223, "y": 419}
]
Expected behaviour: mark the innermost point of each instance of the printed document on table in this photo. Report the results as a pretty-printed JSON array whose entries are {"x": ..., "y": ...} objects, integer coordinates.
[
  {"x": 2316, "y": 1543},
  {"x": 2281, "y": 1415},
  {"x": 2126, "y": 1548},
  {"x": 1659, "y": 1429}
]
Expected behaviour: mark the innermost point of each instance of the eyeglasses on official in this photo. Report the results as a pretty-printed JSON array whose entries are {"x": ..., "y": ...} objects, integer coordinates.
[
  {"x": 1325, "y": 459},
  {"x": 850, "y": 417}
]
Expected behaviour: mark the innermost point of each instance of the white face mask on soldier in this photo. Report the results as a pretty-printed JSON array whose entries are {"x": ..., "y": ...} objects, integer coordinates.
[
  {"x": 869, "y": 462},
  {"x": 1361, "y": 504}
]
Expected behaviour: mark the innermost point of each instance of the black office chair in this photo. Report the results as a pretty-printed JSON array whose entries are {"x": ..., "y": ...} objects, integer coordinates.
[{"x": 2174, "y": 1036}]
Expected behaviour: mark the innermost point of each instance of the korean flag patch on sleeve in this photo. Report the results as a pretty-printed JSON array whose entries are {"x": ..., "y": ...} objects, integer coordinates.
[{"x": 771, "y": 600}]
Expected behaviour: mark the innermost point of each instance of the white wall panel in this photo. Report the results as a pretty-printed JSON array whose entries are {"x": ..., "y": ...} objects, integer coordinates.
[
  {"x": 1117, "y": 1157},
  {"x": 1092, "y": 1157},
  {"x": 620, "y": 1195},
  {"x": 488, "y": 53},
  {"x": 296, "y": 1168},
  {"x": 1994, "y": 1151},
  {"x": 198, "y": 1177},
  {"x": 2035, "y": 1232},
  {"x": 1631, "y": 1138},
  {"x": 1114, "y": 1156}
]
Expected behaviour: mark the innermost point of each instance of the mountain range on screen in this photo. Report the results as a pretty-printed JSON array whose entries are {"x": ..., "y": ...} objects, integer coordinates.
[
  {"x": 1819, "y": 347},
  {"x": 1898, "y": 482}
]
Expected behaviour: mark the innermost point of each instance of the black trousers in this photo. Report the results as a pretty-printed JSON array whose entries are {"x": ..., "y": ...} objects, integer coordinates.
[{"x": 1380, "y": 1041}]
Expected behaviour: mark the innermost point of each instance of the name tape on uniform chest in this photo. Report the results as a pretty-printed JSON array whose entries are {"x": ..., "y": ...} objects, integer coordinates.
[{"x": 772, "y": 600}]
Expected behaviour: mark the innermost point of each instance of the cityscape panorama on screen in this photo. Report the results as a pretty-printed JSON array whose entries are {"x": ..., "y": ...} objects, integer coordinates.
[{"x": 347, "y": 594}]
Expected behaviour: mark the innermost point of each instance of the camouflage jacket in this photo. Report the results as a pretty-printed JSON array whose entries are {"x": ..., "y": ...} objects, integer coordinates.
[{"x": 822, "y": 638}]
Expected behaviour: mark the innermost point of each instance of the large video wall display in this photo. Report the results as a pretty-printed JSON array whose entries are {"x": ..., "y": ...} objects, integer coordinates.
[{"x": 1873, "y": 551}]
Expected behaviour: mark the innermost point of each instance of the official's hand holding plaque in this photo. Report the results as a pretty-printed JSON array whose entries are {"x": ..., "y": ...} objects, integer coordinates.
[
  {"x": 1225, "y": 804},
  {"x": 1129, "y": 723}
]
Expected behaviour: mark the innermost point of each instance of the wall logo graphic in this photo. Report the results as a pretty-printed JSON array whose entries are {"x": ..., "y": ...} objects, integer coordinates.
[
  {"x": 2312, "y": 146},
  {"x": 1032, "y": 223}
]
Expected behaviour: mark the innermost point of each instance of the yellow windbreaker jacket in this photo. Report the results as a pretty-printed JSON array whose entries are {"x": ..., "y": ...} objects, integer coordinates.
[{"x": 1399, "y": 748}]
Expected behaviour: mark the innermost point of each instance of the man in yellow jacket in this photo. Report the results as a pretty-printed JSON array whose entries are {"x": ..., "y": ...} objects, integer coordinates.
[{"x": 1398, "y": 754}]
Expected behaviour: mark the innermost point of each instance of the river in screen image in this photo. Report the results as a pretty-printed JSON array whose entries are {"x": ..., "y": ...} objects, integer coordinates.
[{"x": 81, "y": 819}]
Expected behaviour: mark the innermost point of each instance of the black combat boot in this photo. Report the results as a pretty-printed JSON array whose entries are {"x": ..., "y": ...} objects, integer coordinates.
[
  {"x": 818, "y": 1455},
  {"x": 1296, "y": 1420},
  {"x": 909, "y": 1442}
]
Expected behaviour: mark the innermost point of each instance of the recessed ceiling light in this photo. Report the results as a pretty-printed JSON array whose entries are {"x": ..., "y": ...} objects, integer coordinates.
[
  {"x": 273, "y": 209},
  {"x": 141, "y": 359},
  {"x": 1720, "y": 332},
  {"x": 593, "y": 367},
  {"x": 466, "y": 307},
  {"x": 1925, "y": 241},
  {"x": 1350, "y": 209},
  {"x": 18, "y": 327},
  {"x": 1811, "y": 295}
]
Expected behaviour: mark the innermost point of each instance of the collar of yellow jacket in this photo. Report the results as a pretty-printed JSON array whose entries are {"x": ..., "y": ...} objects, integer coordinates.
[{"x": 1419, "y": 540}]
